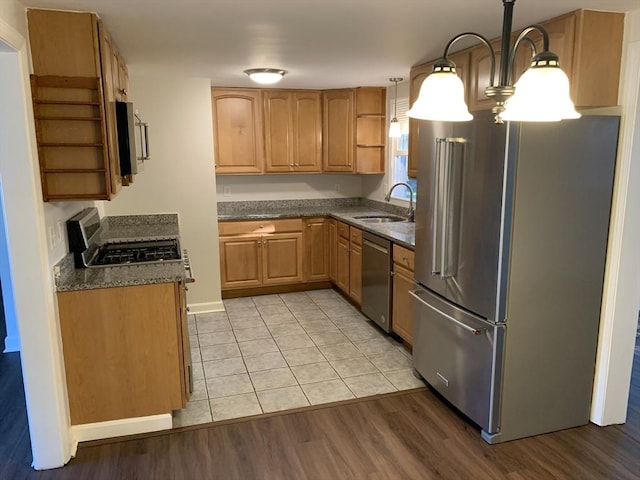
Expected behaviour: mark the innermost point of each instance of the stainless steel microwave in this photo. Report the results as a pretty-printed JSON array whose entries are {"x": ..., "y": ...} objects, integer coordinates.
[{"x": 133, "y": 138}]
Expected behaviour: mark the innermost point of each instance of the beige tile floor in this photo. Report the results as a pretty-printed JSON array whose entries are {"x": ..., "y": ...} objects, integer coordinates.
[{"x": 276, "y": 352}]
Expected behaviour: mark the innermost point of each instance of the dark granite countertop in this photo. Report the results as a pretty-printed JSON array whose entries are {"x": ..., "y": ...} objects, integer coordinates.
[
  {"x": 122, "y": 229},
  {"x": 402, "y": 233}
]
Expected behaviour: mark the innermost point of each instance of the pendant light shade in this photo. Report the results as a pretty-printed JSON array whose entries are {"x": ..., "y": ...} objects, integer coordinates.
[
  {"x": 441, "y": 97},
  {"x": 394, "y": 128},
  {"x": 542, "y": 95},
  {"x": 394, "y": 124}
]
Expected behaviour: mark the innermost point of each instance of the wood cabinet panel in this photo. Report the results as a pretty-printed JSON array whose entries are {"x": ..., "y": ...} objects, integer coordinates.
[
  {"x": 316, "y": 243},
  {"x": 307, "y": 131},
  {"x": 338, "y": 129},
  {"x": 371, "y": 126},
  {"x": 121, "y": 351},
  {"x": 282, "y": 258},
  {"x": 355, "y": 273},
  {"x": 403, "y": 256},
  {"x": 259, "y": 227},
  {"x": 342, "y": 261},
  {"x": 417, "y": 76},
  {"x": 333, "y": 250},
  {"x": 237, "y": 130},
  {"x": 402, "y": 316},
  {"x": 277, "y": 131},
  {"x": 240, "y": 261}
]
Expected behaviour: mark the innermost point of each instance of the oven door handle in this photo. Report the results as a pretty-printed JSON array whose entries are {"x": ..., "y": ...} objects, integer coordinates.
[{"x": 189, "y": 278}]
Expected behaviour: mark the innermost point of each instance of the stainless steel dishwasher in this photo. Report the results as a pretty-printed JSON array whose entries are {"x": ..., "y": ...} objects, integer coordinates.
[{"x": 376, "y": 279}]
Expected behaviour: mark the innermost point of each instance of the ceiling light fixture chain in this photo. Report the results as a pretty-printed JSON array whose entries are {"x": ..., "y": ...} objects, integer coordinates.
[{"x": 541, "y": 93}]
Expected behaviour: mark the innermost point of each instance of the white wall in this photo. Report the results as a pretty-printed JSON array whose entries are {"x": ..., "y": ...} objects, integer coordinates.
[
  {"x": 376, "y": 186},
  {"x": 180, "y": 176},
  {"x": 232, "y": 188}
]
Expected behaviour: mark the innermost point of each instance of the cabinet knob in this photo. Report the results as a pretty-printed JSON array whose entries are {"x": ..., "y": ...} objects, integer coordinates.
[
  {"x": 124, "y": 91},
  {"x": 261, "y": 226}
]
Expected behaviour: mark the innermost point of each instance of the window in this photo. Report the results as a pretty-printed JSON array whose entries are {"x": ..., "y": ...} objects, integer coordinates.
[{"x": 399, "y": 153}]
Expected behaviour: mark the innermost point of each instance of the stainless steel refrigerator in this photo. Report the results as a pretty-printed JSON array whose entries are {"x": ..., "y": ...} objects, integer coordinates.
[{"x": 511, "y": 236}]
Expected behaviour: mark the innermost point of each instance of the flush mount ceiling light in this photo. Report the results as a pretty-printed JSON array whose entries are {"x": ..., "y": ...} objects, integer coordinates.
[
  {"x": 394, "y": 125},
  {"x": 265, "y": 76},
  {"x": 540, "y": 95}
]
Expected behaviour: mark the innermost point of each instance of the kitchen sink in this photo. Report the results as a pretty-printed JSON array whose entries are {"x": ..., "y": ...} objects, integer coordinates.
[{"x": 380, "y": 218}]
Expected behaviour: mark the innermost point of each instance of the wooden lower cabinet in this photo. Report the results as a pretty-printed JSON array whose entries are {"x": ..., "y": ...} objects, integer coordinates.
[
  {"x": 256, "y": 254},
  {"x": 342, "y": 260},
  {"x": 333, "y": 250},
  {"x": 316, "y": 249},
  {"x": 403, "y": 283},
  {"x": 348, "y": 248},
  {"x": 125, "y": 351}
]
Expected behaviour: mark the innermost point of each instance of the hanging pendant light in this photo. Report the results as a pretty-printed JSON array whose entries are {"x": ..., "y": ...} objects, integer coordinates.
[
  {"x": 541, "y": 94},
  {"x": 394, "y": 124}
]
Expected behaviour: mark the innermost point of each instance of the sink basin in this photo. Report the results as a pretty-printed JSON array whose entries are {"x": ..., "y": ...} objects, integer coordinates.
[{"x": 380, "y": 218}]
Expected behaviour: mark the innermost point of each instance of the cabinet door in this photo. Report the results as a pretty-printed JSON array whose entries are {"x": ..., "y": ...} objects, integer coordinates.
[
  {"x": 402, "y": 316},
  {"x": 342, "y": 264},
  {"x": 240, "y": 261},
  {"x": 282, "y": 258},
  {"x": 307, "y": 131},
  {"x": 109, "y": 88},
  {"x": 121, "y": 352},
  {"x": 277, "y": 131},
  {"x": 418, "y": 74},
  {"x": 337, "y": 131},
  {"x": 316, "y": 249},
  {"x": 333, "y": 250},
  {"x": 237, "y": 130},
  {"x": 480, "y": 69},
  {"x": 184, "y": 344},
  {"x": 355, "y": 273}
]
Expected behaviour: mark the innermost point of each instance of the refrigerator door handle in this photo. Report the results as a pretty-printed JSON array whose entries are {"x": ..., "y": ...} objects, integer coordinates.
[
  {"x": 475, "y": 331},
  {"x": 437, "y": 189},
  {"x": 446, "y": 180}
]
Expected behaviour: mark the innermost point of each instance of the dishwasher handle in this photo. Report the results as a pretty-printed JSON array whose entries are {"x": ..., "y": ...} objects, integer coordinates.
[{"x": 375, "y": 246}]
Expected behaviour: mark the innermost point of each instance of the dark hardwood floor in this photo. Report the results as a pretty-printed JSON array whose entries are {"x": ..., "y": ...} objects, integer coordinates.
[
  {"x": 406, "y": 435},
  {"x": 15, "y": 447}
]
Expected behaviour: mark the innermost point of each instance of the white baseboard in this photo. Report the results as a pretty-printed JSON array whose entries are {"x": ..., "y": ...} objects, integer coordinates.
[
  {"x": 207, "y": 307},
  {"x": 12, "y": 343},
  {"x": 118, "y": 428}
]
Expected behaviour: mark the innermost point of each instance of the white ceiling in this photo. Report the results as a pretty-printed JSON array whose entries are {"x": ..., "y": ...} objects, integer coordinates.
[{"x": 321, "y": 43}]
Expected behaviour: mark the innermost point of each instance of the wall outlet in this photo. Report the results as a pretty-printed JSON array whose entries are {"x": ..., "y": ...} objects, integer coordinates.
[
  {"x": 226, "y": 191},
  {"x": 336, "y": 188}
]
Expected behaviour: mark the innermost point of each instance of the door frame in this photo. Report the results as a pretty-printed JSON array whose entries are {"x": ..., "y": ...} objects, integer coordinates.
[{"x": 32, "y": 279}]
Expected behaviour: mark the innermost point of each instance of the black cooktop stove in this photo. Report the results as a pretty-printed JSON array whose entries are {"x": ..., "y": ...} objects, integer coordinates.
[{"x": 137, "y": 252}]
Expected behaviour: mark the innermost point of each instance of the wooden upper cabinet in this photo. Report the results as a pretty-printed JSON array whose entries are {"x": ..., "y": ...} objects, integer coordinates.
[
  {"x": 371, "y": 126},
  {"x": 74, "y": 87},
  {"x": 292, "y": 131},
  {"x": 277, "y": 131},
  {"x": 479, "y": 75},
  {"x": 237, "y": 130},
  {"x": 589, "y": 46},
  {"x": 307, "y": 130},
  {"x": 337, "y": 130}
]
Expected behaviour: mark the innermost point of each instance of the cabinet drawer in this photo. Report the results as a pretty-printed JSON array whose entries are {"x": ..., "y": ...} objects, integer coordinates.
[
  {"x": 260, "y": 226},
  {"x": 403, "y": 256},
  {"x": 355, "y": 236},
  {"x": 343, "y": 230}
]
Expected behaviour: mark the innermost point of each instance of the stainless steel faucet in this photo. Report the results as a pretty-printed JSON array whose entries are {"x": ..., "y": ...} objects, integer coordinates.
[{"x": 411, "y": 212}]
